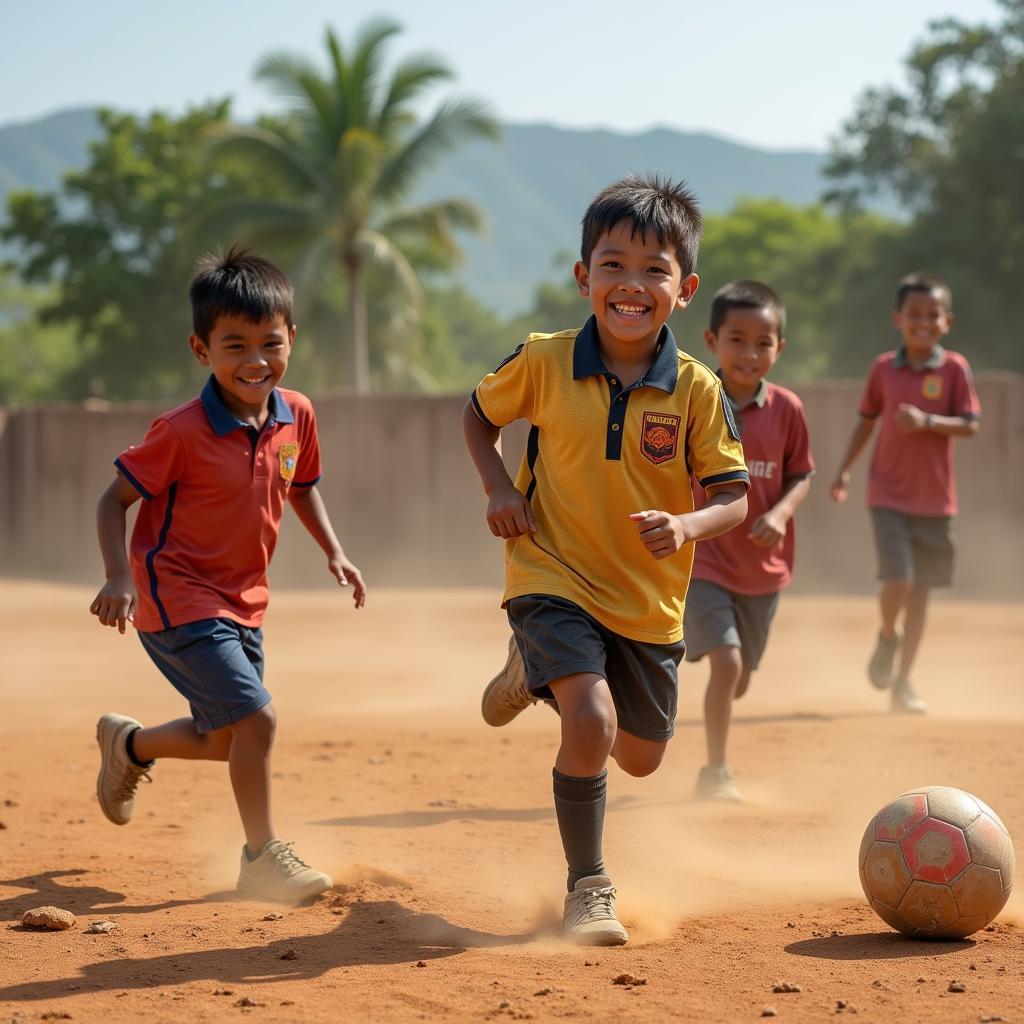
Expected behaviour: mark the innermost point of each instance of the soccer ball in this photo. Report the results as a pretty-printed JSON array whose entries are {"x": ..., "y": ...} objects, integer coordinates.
[{"x": 936, "y": 863}]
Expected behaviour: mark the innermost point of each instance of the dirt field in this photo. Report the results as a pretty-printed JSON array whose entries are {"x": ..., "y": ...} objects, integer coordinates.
[{"x": 440, "y": 834}]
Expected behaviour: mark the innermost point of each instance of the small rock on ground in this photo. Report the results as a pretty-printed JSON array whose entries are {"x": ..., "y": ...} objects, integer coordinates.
[
  {"x": 100, "y": 927},
  {"x": 769, "y": 1011},
  {"x": 786, "y": 986},
  {"x": 51, "y": 918},
  {"x": 956, "y": 986}
]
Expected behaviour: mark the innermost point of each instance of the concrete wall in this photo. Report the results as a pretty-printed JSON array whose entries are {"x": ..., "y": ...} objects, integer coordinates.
[{"x": 408, "y": 507}]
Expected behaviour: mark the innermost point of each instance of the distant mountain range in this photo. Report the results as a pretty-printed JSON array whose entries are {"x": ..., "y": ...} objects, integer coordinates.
[{"x": 533, "y": 185}]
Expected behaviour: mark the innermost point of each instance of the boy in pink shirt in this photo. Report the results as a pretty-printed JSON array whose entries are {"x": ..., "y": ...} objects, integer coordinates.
[
  {"x": 737, "y": 576},
  {"x": 924, "y": 397}
]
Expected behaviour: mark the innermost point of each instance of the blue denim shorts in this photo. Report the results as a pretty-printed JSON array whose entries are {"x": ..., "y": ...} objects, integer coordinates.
[{"x": 216, "y": 665}]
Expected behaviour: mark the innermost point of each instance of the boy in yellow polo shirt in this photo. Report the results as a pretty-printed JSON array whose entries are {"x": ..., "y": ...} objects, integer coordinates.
[{"x": 600, "y": 523}]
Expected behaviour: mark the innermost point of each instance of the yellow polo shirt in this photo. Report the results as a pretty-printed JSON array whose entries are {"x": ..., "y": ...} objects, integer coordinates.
[{"x": 597, "y": 452}]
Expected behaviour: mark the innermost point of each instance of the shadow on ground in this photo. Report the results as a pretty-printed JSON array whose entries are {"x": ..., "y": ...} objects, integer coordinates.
[{"x": 874, "y": 946}]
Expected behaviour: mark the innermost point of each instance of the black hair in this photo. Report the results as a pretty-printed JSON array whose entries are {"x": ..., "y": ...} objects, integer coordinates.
[
  {"x": 746, "y": 295},
  {"x": 931, "y": 284},
  {"x": 666, "y": 208},
  {"x": 237, "y": 283}
]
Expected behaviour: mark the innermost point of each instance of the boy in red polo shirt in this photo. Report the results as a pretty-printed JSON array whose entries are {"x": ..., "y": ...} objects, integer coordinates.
[
  {"x": 737, "y": 576},
  {"x": 214, "y": 475},
  {"x": 924, "y": 396}
]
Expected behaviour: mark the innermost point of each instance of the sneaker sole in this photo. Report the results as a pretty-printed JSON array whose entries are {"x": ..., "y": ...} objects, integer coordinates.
[
  {"x": 105, "y": 740},
  {"x": 250, "y": 892},
  {"x": 610, "y": 937},
  {"x": 501, "y": 716}
]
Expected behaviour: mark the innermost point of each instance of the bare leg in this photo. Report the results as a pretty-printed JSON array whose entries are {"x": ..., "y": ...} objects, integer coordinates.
[
  {"x": 180, "y": 739},
  {"x": 726, "y": 669},
  {"x": 891, "y": 600},
  {"x": 588, "y": 723},
  {"x": 252, "y": 740},
  {"x": 637, "y": 756},
  {"x": 913, "y": 629}
]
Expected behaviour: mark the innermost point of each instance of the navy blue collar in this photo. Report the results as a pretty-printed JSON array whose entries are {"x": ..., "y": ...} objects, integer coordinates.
[
  {"x": 933, "y": 362},
  {"x": 587, "y": 361},
  {"x": 223, "y": 420}
]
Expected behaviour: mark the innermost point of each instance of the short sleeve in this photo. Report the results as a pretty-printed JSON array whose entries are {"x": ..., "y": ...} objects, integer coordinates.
[
  {"x": 964, "y": 399},
  {"x": 151, "y": 467},
  {"x": 797, "y": 460},
  {"x": 714, "y": 454},
  {"x": 507, "y": 394},
  {"x": 872, "y": 401},
  {"x": 308, "y": 469}
]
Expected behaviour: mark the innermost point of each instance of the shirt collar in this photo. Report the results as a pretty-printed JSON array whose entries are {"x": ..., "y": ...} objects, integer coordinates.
[
  {"x": 760, "y": 395},
  {"x": 223, "y": 420},
  {"x": 587, "y": 361},
  {"x": 933, "y": 362}
]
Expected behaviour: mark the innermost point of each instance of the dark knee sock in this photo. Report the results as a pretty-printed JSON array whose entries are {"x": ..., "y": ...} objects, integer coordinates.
[{"x": 579, "y": 806}]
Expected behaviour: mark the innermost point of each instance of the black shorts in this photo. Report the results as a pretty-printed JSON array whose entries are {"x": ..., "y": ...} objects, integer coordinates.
[
  {"x": 716, "y": 617},
  {"x": 915, "y": 548},
  {"x": 557, "y": 638}
]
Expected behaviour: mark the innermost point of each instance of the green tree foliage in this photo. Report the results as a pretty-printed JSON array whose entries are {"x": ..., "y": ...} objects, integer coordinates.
[
  {"x": 109, "y": 246},
  {"x": 952, "y": 147},
  {"x": 346, "y": 156}
]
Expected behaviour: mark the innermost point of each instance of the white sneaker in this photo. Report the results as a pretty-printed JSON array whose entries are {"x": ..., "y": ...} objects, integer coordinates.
[
  {"x": 506, "y": 694},
  {"x": 715, "y": 782},
  {"x": 589, "y": 917},
  {"x": 278, "y": 875},
  {"x": 119, "y": 775}
]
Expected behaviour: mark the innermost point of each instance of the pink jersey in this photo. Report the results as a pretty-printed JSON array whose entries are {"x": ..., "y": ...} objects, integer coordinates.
[
  {"x": 913, "y": 473},
  {"x": 777, "y": 450}
]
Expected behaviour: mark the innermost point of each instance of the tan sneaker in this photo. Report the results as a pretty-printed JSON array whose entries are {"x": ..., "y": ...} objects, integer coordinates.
[
  {"x": 589, "y": 917},
  {"x": 506, "y": 694},
  {"x": 119, "y": 775},
  {"x": 715, "y": 782},
  {"x": 905, "y": 700},
  {"x": 278, "y": 875}
]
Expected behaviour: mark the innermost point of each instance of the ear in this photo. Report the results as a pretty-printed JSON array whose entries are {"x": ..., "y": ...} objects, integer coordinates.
[
  {"x": 950, "y": 320},
  {"x": 687, "y": 289},
  {"x": 782, "y": 345},
  {"x": 292, "y": 331},
  {"x": 710, "y": 339},
  {"x": 199, "y": 349},
  {"x": 582, "y": 275},
  {"x": 896, "y": 318}
]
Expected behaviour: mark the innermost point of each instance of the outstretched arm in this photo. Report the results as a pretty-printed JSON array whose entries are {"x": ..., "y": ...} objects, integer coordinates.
[
  {"x": 508, "y": 512},
  {"x": 839, "y": 490},
  {"x": 663, "y": 533},
  {"x": 768, "y": 530},
  {"x": 115, "y": 603},
  {"x": 309, "y": 507}
]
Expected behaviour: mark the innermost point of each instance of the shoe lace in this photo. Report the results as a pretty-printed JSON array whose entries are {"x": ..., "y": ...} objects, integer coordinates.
[
  {"x": 130, "y": 783},
  {"x": 287, "y": 858},
  {"x": 596, "y": 904}
]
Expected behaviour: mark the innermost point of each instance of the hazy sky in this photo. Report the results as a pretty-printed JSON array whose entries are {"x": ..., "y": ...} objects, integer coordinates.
[{"x": 781, "y": 74}]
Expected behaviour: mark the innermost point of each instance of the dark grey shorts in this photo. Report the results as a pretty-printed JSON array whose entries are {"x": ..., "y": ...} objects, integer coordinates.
[
  {"x": 716, "y": 617},
  {"x": 216, "y": 665},
  {"x": 916, "y": 548},
  {"x": 557, "y": 638}
]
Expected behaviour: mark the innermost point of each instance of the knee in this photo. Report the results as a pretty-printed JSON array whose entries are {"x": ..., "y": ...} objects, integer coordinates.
[
  {"x": 726, "y": 666},
  {"x": 591, "y": 723},
  {"x": 641, "y": 763},
  {"x": 259, "y": 727}
]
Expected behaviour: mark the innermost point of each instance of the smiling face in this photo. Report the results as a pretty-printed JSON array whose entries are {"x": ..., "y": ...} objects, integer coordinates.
[
  {"x": 923, "y": 320},
  {"x": 746, "y": 346},
  {"x": 247, "y": 360},
  {"x": 634, "y": 283}
]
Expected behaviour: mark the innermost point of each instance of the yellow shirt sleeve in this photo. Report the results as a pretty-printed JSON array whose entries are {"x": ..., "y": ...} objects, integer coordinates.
[
  {"x": 714, "y": 453},
  {"x": 507, "y": 394}
]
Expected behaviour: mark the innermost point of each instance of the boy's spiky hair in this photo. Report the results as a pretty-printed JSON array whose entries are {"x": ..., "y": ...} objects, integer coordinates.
[
  {"x": 237, "y": 283},
  {"x": 665, "y": 208},
  {"x": 919, "y": 281},
  {"x": 746, "y": 295}
]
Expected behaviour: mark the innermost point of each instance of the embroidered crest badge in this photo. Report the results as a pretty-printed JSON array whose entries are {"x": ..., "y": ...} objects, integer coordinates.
[
  {"x": 288, "y": 457},
  {"x": 931, "y": 387},
  {"x": 659, "y": 437}
]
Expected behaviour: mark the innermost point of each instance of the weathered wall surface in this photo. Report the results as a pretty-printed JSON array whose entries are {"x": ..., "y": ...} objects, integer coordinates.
[{"x": 408, "y": 507}]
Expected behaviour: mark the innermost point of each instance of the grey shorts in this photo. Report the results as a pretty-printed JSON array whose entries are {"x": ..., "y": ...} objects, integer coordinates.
[
  {"x": 716, "y": 617},
  {"x": 557, "y": 638},
  {"x": 916, "y": 548},
  {"x": 216, "y": 665}
]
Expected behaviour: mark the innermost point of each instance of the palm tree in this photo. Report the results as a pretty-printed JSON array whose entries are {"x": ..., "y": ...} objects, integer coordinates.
[{"x": 347, "y": 154}]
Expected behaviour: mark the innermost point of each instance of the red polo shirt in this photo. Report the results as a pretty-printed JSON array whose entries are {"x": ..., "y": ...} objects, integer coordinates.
[
  {"x": 914, "y": 473},
  {"x": 777, "y": 450},
  {"x": 214, "y": 491}
]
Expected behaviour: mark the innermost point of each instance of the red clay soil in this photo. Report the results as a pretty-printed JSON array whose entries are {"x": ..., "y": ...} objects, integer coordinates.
[{"x": 440, "y": 834}]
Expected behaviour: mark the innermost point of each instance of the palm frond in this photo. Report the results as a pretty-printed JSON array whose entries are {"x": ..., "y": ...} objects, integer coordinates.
[
  {"x": 265, "y": 223},
  {"x": 356, "y": 169},
  {"x": 412, "y": 76},
  {"x": 452, "y": 122},
  {"x": 313, "y": 272},
  {"x": 309, "y": 97},
  {"x": 266, "y": 149},
  {"x": 434, "y": 223},
  {"x": 384, "y": 260},
  {"x": 364, "y": 69}
]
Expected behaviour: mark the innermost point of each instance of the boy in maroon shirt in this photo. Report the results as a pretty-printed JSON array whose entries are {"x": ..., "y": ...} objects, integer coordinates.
[
  {"x": 214, "y": 476},
  {"x": 924, "y": 396},
  {"x": 737, "y": 577}
]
